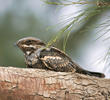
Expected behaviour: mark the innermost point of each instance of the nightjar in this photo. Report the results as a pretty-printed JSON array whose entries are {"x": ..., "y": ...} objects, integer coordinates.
[{"x": 37, "y": 55}]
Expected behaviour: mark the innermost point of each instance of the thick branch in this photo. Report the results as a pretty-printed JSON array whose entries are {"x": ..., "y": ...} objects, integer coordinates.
[{"x": 36, "y": 84}]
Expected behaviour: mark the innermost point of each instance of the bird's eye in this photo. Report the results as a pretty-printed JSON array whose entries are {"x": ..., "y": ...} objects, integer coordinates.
[{"x": 28, "y": 42}]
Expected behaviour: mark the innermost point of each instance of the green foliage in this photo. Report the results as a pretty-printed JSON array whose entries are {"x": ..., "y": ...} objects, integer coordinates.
[
  {"x": 82, "y": 17},
  {"x": 92, "y": 8}
]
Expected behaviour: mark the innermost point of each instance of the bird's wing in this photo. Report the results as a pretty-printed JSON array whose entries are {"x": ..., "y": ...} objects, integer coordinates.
[{"x": 56, "y": 60}]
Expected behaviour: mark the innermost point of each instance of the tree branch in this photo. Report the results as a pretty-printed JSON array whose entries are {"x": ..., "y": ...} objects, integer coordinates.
[{"x": 37, "y": 84}]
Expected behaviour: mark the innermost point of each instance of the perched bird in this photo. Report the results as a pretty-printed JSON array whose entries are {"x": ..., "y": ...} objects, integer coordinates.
[{"x": 37, "y": 55}]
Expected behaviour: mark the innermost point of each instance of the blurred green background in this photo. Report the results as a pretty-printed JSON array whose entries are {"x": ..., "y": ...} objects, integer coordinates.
[
  {"x": 18, "y": 20},
  {"x": 23, "y": 18}
]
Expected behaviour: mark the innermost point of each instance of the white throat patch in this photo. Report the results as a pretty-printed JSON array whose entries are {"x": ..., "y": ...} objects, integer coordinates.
[{"x": 28, "y": 52}]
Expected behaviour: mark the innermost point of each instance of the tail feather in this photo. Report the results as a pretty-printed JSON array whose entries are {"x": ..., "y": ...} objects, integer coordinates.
[{"x": 96, "y": 74}]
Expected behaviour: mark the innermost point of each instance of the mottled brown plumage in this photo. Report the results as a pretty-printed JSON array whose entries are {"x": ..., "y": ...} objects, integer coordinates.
[{"x": 38, "y": 56}]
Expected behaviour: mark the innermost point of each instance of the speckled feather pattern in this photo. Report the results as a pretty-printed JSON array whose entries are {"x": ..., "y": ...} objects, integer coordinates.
[{"x": 51, "y": 58}]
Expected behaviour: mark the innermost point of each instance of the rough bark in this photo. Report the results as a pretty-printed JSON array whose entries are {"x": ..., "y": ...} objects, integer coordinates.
[{"x": 37, "y": 84}]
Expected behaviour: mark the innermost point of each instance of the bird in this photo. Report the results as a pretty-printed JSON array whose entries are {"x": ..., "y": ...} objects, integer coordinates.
[{"x": 38, "y": 55}]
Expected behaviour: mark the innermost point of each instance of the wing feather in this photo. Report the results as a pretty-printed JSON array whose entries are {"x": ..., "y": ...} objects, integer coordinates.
[{"x": 55, "y": 60}]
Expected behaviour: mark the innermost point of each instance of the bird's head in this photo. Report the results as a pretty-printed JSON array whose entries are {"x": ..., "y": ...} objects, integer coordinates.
[{"x": 29, "y": 44}]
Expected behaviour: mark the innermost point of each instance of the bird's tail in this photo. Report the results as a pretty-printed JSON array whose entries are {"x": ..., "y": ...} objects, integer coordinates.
[{"x": 96, "y": 74}]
